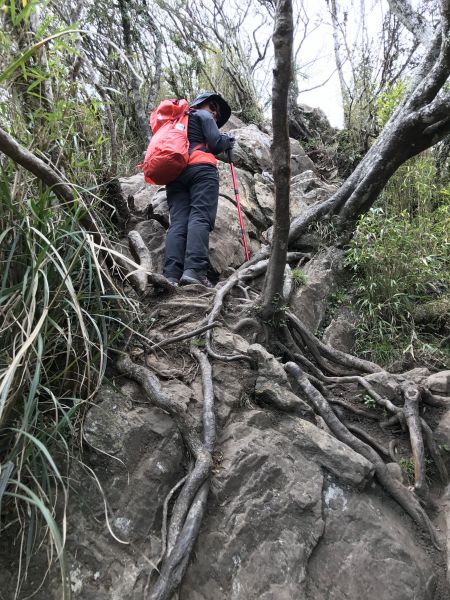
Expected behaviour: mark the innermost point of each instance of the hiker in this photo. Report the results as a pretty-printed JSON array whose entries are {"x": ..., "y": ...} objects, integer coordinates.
[{"x": 193, "y": 196}]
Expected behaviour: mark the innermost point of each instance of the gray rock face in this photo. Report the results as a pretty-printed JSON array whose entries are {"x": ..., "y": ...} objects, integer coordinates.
[
  {"x": 266, "y": 200},
  {"x": 137, "y": 455},
  {"x": 252, "y": 149},
  {"x": 439, "y": 383},
  {"x": 252, "y": 152},
  {"x": 278, "y": 528},
  {"x": 279, "y": 511},
  {"x": 265, "y": 522},
  {"x": 154, "y": 236},
  {"x": 142, "y": 192},
  {"x": 367, "y": 551},
  {"x": 316, "y": 122},
  {"x": 233, "y": 123},
  {"x": 225, "y": 242},
  {"x": 307, "y": 189},
  {"x": 442, "y": 434},
  {"x": 340, "y": 333},
  {"x": 322, "y": 272},
  {"x": 300, "y": 162},
  {"x": 253, "y": 214}
]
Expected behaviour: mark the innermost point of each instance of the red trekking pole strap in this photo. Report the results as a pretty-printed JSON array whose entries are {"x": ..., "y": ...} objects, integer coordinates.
[{"x": 238, "y": 204}]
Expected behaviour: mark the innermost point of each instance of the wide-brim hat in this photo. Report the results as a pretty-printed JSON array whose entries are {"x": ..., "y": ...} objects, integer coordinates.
[{"x": 225, "y": 110}]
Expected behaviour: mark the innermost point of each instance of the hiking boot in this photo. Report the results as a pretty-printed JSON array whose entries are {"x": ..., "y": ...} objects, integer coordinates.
[{"x": 191, "y": 277}]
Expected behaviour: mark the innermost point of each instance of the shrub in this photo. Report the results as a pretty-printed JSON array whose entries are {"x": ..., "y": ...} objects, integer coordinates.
[{"x": 400, "y": 257}]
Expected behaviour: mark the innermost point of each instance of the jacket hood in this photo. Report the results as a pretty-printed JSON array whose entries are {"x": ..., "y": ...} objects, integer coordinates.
[{"x": 225, "y": 110}]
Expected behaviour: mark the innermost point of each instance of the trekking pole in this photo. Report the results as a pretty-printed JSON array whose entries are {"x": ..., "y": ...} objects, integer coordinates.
[{"x": 238, "y": 204}]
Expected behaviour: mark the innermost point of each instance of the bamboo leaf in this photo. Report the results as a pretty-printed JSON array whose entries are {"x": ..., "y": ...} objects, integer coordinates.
[{"x": 19, "y": 62}]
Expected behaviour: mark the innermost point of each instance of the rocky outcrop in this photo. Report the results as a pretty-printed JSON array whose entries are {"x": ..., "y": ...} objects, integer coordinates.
[
  {"x": 252, "y": 152},
  {"x": 253, "y": 162},
  {"x": 308, "y": 189},
  {"x": 277, "y": 518},
  {"x": 341, "y": 332},
  {"x": 287, "y": 498},
  {"x": 322, "y": 275}
]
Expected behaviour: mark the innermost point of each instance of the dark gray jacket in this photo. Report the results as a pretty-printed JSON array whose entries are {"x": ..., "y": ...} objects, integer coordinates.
[{"x": 202, "y": 129}]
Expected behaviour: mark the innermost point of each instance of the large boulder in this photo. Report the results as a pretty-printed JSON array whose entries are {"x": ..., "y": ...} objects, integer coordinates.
[
  {"x": 142, "y": 192},
  {"x": 311, "y": 124},
  {"x": 322, "y": 273},
  {"x": 341, "y": 332},
  {"x": 300, "y": 161},
  {"x": 252, "y": 149},
  {"x": 253, "y": 212},
  {"x": 439, "y": 383},
  {"x": 225, "y": 242},
  {"x": 154, "y": 237},
  {"x": 368, "y": 552},
  {"x": 114, "y": 521},
  {"x": 233, "y": 122},
  {"x": 252, "y": 152},
  {"x": 265, "y": 198},
  {"x": 280, "y": 510},
  {"x": 308, "y": 188}
]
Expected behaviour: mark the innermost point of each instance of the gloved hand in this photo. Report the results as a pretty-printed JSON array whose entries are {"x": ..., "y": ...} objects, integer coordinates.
[{"x": 232, "y": 141}]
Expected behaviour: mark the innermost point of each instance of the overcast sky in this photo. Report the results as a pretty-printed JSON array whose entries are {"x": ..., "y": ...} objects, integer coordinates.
[{"x": 317, "y": 52}]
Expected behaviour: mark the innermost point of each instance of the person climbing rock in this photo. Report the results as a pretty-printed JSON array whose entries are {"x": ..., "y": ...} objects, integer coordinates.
[{"x": 193, "y": 196}]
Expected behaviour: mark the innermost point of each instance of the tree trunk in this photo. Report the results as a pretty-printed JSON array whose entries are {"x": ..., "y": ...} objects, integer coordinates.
[
  {"x": 141, "y": 117},
  {"x": 421, "y": 121},
  {"x": 282, "y": 41}
]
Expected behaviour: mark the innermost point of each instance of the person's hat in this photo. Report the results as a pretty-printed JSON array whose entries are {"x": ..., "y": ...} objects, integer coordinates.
[{"x": 224, "y": 109}]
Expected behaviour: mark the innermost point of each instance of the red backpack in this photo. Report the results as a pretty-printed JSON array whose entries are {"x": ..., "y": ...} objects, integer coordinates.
[{"x": 168, "y": 152}]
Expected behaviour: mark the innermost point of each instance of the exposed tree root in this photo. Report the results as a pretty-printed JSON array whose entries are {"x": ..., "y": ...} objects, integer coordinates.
[
  {"x": 434, "y": 452},
  {"x": 246, "y": 322},
  {"x": 190, "y": 505},
  {"x": 411, "y": 396},
  {"x": 326, "y": 368},
  {"x": 399, "y": 492},
  {"x": 393, "y": 445},
  {"x": 342, "y": 358},
  {"x": 177, "y": 321},
  {"x": 362, "y": 433},
  {"x": 223, "y": 357},
  {"x": 354, "y": 409},
  {"x": 185, "y": 336},
  {"x": 142, "y": 253}
]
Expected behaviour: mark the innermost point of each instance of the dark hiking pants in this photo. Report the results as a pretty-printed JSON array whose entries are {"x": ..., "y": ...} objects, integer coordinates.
[{"x": 192, "y": 200}]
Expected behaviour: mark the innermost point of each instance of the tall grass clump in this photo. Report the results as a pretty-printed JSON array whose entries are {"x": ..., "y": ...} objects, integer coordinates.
[{"x": 59, "y": 311}]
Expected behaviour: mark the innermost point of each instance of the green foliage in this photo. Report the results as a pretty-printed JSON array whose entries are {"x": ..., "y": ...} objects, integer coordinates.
[
  {"x": 408, "y": 467},
  {"x": 400, "y": 258},
  {"x": 369, "y": 402},
  {"x": 339, "y": 298},
  {"x": 388, "y": 101},
  {"x": 59, "y": 310},
  {"x": 407, "y": 464},
  {"x": 400, "y": 253},
  {"x": 299, "y": 277}
]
